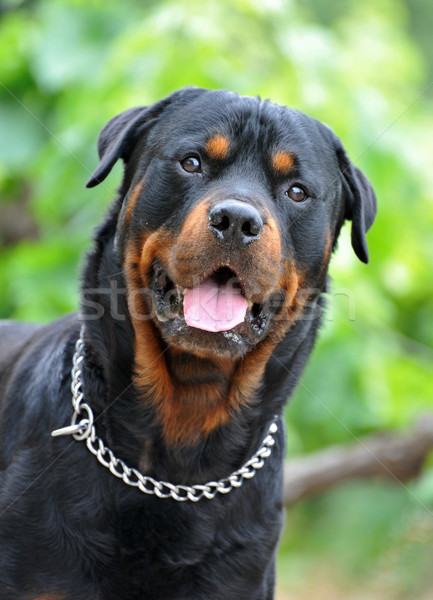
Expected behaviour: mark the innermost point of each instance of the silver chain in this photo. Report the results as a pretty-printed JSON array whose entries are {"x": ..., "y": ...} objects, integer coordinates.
[{"x": 82, "y": 428}]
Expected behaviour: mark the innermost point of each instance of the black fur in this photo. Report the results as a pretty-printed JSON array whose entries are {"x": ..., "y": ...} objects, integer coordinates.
[{"x": 68, "y": 528}]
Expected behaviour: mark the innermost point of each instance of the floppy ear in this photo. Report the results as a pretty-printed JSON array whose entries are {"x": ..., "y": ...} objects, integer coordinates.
[
  {"x": 361, "y": 204},
  {"x": 121, "y": 133}
]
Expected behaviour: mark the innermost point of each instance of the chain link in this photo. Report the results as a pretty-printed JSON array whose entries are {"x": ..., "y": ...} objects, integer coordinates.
[{"x": 82, "y": 428}]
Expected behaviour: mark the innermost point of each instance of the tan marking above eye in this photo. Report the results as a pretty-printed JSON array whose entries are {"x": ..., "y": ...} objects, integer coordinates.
[
  {"x": 283, "y": 162},
  {"x": 218, "y": 146}
]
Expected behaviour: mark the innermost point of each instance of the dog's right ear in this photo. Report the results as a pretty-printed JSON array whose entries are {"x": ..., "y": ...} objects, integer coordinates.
[
  {"x": 121, "y": 133},
  {"x": 361, "y": 204}
]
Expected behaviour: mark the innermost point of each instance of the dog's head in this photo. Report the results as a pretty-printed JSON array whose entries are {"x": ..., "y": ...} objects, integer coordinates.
[{"x": 232, "y": 207}]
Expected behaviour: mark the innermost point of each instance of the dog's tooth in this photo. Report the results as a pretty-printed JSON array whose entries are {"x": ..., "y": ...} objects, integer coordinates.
[{"x": 179, "y": 289}]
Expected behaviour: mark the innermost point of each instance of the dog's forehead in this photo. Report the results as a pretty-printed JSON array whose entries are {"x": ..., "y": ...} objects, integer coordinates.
[
  {"x": 221, "y": 121},
  {"x": 235, "y": 116}
]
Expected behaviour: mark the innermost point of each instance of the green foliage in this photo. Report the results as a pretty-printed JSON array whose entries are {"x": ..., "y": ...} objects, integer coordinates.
[
  {"x": 374, "y": 540},
  {"x": 67, "y": 66}
]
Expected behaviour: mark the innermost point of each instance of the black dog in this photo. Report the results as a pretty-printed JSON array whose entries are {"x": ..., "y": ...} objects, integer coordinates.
[{"x": 201, "y": 302}]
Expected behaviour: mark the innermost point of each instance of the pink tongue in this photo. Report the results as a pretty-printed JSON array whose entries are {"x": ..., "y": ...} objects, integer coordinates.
[{"x": 214, "y": 307}]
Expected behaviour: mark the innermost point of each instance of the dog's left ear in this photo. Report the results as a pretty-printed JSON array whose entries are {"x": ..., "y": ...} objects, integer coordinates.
[
  {"x": 122, "y": 132},
  {"x": 361, "y": 204},
  {"x": 117, "y": 137}
]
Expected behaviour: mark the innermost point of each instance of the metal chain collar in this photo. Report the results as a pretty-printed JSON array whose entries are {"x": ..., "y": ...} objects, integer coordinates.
[{"x": 82, "y": 428}]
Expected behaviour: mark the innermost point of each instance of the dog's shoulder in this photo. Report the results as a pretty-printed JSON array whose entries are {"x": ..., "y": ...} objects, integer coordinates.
[
  {"x": 19, "y": 339},
  {"x": 32, "y": 370},
  {"x": 13, "y": 339}
]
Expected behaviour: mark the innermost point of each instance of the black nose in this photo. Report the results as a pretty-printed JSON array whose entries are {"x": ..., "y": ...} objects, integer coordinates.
[{"x": 235, "y": 223}]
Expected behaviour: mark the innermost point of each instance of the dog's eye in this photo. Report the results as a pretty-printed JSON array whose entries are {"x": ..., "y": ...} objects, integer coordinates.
[
  {"x": 191, "y": 164},
  {"x": 297, "y": 193}
]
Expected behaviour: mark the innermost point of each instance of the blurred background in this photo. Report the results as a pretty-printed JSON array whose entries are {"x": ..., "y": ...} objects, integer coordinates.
[{"x": 364, "y": 68}]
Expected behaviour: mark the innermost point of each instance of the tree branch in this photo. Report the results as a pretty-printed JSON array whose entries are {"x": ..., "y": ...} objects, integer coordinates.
[{"x": 389, "y": 455}]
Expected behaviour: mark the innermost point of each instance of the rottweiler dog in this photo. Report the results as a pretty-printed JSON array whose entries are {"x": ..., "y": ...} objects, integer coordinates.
[{"x": 141, "y": 439}]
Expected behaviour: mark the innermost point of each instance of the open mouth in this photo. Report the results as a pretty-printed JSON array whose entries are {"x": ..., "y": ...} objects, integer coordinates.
[{"x": 217, "y": 304}]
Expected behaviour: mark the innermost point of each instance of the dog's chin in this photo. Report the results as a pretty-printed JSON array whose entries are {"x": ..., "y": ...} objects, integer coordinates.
[{"x": 232, "y": 344}]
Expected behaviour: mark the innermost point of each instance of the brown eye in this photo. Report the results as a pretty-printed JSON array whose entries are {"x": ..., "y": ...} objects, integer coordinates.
[
  {"x": 191, "y": 164},
  {"x": 297, "y": 194}
]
